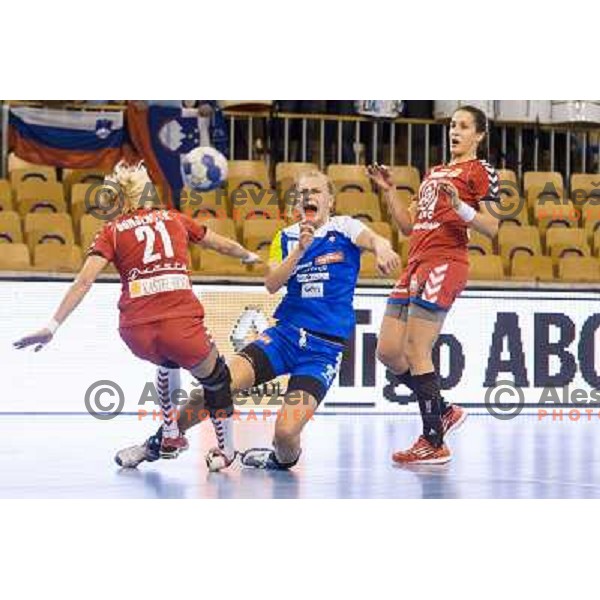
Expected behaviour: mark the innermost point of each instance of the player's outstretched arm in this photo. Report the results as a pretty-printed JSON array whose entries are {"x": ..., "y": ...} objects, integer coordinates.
[
  {"x": 380, "y": 175},
  {"x": 224, "y": 245},
  {"x": 387, "y": 260},
  {"x": 75, "y": 294}
]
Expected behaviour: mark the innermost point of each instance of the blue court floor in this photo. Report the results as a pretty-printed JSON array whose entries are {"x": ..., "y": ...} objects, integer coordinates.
[{"x": 64, "y": 456}]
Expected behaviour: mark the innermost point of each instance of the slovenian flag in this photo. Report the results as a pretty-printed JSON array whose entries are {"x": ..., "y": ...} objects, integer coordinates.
[{"x": 67, "y": 138}]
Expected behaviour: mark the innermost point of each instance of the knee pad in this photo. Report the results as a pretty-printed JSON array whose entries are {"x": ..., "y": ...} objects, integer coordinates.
[{"x": 217, "y": 390}]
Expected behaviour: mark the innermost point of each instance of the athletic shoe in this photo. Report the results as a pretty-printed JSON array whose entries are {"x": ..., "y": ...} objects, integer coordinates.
[
  {"x": 172, "y": 447},
  {"x": 149, "y": 451},
  {"x": 263, "y": 458},
  {"x": 424, "y": 453},
  {"x": 217, "y": 460},
  {"x": 453, "y": 419}
]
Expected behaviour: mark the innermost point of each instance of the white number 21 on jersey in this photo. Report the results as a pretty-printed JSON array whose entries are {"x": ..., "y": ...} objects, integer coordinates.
[{"x": 146, "y": 232}]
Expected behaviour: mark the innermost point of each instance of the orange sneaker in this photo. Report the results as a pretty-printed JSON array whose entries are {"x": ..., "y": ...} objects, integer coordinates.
[
  {"x": 453, "y": 419},
  {"x": 424, "y": 453}
]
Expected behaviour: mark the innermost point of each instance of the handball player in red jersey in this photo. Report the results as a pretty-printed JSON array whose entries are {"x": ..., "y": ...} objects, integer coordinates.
[
  {"x": 161, "y": 319},
  {"x": 452, "y": 198}
]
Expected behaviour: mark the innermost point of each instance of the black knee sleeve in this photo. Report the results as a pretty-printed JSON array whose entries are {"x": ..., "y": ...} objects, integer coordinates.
[{"x": 217, "y": 390}]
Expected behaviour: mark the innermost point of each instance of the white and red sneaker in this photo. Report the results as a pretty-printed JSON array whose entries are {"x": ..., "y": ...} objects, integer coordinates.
[
  {"x": 173, "y": 447},
  {"x": 424, "y": 453},
  {"x": 453, "y": 419}
]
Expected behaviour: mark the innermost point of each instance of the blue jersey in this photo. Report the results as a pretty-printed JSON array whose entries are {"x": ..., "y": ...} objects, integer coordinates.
[{"x": 321, "y": 289}]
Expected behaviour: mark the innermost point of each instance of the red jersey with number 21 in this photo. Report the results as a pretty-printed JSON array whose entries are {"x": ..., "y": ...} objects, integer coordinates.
[
  {"x": 149, "y": 248},
  {"x": 438, "y": 232}
]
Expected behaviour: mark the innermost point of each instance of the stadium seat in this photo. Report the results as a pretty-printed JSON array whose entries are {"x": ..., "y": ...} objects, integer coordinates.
[
  {"x": 532, "y": 268},
  {"x": 515, "y": 240},
  {"x": 247, "y": 204},
  {"x": 383, "y": 229},
  {"x": 47, "y": 228},
  {"x": 71, "y": 177},
  {"x": 6, "y": 202},
  {"x": 349, "y": 178},
  {"x": 537, "y": 194},
  {"x": 259, "y": 233},
  {"x": 590, "y": 217},
  {"x": 364, "y": 206},
  {"x": 89, "y": 226},
  {"x": 213, "y": 204},
  {"x": 14, "y": 257},
  {"x": 39, "y": 174},
  {"x": 79, "y": 193},
  {"x": 290, "y": 170},
  {"x": 247, "y": 171},
  {"x": 480, "y": 244},
  {"x": 52, "y": 257},
  {"x": 224, "y": 227},
  {"x": 10, "y": 227},
  {"x": 36, "y": 196},
  {"x": 550, "y": 215},
  {"x": 552, "y": 179},
  {"x": 485, "y": 268},
  {"x": 595, "y": 243},
  {"x": 507, "y": 175},
  {"x": 579, "y": 269},
  {"x": 368, "y": 268},
  {"x": 585, "y": 186},
  {"x": 513, "y": 211},
  {"x": 560, "y": 240},
  {"x": 406, "y": 178},
  {"x": 208, "y": 262}
]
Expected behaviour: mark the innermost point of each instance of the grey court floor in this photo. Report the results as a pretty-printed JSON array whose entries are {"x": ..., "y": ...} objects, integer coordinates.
[{"x": 70, "y": 456}]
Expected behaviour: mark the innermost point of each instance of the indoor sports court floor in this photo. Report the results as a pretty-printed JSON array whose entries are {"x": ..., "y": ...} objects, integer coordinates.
[{"x": 70, "y": 456}]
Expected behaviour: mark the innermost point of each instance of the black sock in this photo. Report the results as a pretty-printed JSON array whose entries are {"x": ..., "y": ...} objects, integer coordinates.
[
  {"x": 407, "y": 379},
  {"x": 427, "y": 389}
]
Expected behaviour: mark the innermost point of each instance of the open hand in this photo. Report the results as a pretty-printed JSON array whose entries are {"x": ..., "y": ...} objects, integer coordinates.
[
  {"x": 39, "y": 339},
  {"x": 381, "y": 176}
]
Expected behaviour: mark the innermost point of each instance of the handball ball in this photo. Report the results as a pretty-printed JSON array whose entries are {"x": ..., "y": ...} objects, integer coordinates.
[{"x": 203, "y": 169}]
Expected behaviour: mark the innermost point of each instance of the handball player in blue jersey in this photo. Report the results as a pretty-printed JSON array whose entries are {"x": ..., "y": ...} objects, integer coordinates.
[{"x": 318, "y": 260}]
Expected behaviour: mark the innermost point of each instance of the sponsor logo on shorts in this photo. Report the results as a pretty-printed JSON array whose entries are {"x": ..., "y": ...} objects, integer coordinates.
[
  {"x": 330, "y": 258},
  {"x": 312, "y": 290},
  {"x": 159, "y": 284}
]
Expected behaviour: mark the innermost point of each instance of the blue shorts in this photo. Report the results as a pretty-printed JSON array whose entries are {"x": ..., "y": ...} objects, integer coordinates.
[{"x": 311, "y": 361}]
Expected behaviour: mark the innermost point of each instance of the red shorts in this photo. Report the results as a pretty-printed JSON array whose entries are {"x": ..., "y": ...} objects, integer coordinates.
[
  {"x": 433, "y": 284},
  {"x": 183, "y": 341}
]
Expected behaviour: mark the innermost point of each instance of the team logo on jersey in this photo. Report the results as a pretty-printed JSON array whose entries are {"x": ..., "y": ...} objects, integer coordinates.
[
  {"x": 312, "y": 290},
  {"x": 329, "y": 258}
]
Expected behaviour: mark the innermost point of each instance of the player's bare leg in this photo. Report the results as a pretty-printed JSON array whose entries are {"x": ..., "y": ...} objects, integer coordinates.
[{"x": 298, "y": 409}]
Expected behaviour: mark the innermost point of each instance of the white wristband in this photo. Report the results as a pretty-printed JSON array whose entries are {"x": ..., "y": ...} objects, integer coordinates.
[
  {"x": 465, "y": 212},
  {"x": 53, "y": 326}
]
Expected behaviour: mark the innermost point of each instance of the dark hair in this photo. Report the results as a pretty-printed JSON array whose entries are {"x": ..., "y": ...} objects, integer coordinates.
[{"x": 481, "y": 126}]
